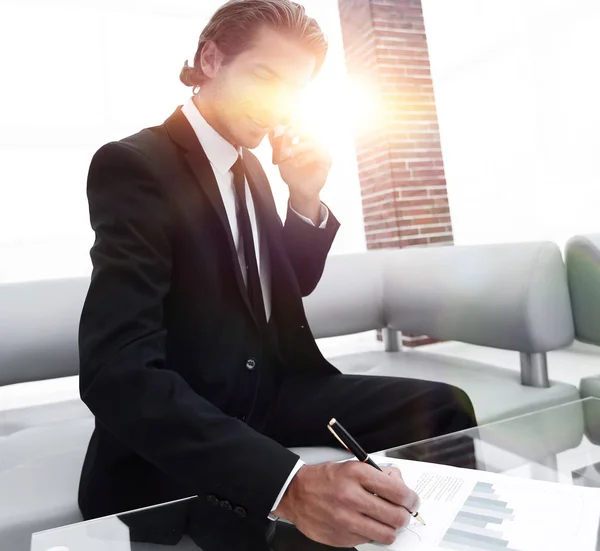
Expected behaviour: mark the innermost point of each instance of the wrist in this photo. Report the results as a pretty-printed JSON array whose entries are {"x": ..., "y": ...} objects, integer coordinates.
[
  {"x": 310, "y": 207},
  {"x": 285, "y": 508}
]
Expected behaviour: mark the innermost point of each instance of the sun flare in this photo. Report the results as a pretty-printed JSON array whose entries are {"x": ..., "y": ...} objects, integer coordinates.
[{"x": 334, "y": 104}]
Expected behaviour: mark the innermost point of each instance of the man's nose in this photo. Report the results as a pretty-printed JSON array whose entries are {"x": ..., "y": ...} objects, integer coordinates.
[{"x": 280, "y": 109}]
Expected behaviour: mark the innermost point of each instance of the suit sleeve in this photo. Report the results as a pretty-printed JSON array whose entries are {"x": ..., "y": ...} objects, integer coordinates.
[
  {"x": 124, "y": 377},
  {"x": 307, "y": 247}
]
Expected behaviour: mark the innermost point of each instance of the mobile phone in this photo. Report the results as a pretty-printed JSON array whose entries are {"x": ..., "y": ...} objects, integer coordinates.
[{"x": 281, "y": 142}]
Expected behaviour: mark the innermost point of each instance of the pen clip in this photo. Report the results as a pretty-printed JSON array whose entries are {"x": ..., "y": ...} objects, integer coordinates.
[{"x": 337, "y": 437}]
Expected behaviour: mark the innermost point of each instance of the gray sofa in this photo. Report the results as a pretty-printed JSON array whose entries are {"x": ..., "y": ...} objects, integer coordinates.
[
  {"x": 582, "y": 257},
  {"x": 511, "y": 296}
]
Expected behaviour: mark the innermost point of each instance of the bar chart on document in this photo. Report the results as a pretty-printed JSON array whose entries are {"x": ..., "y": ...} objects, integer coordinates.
[
  {"x": 488, "y": 520},
  {"x": 469, "y": 510}
]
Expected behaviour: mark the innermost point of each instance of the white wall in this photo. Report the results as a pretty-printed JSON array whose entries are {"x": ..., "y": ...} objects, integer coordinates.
[
  {"x": 78, "y": 74},
  {"x": 518, "y": 97}
]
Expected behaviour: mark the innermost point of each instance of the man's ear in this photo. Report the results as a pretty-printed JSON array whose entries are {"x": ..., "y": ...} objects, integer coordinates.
[{"x": 211, "y": 59}]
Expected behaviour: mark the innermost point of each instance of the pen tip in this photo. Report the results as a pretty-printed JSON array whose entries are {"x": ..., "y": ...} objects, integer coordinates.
[{"x": 420, "y": 519}]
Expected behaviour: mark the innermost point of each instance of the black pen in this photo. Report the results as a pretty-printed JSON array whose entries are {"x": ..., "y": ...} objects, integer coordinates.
[{"x": 354, "y": 448}]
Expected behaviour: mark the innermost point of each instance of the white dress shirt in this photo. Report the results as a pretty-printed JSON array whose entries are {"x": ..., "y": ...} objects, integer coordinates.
[{"x": 222, "y": 156}]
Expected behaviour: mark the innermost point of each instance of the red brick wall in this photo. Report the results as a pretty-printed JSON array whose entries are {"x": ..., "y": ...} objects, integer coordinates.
[{"x": 401, "y": 170}]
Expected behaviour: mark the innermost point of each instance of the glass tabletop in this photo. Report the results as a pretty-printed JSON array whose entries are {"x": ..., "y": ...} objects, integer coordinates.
[{"x": 558, "y": 445}]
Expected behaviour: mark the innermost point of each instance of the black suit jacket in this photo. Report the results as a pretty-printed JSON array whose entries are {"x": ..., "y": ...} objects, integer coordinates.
[
  {"x": 209, "y": 528},
  {"x": 167, "y": 329}
]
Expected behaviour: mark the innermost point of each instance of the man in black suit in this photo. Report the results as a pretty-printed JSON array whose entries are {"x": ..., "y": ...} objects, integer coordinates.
[{"x": 196, "y": 356}]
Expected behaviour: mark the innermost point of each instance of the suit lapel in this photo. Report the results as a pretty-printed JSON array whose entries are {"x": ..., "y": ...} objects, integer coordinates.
[{"x": 183, "y": 134}]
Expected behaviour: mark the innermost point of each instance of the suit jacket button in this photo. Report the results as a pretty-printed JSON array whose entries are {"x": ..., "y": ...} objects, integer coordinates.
[
  {"x": 212, "y": 500},
  {"x": 240, "y": 512},
  {"x": 250, "y": 364},
  {"x": 226, "y": 505}
]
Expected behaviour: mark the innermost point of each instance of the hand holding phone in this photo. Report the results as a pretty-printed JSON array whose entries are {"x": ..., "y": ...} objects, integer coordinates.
[
  {"x": 304, "y": 165},
  {"x": 281, "y": 142}
]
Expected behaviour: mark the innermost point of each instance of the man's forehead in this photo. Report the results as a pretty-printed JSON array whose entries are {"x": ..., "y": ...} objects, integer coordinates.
[{"x": 286, "y": 58}]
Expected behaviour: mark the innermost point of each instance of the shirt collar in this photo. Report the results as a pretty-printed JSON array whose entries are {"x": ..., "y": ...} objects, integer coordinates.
[{"x": 221, "y": 154}]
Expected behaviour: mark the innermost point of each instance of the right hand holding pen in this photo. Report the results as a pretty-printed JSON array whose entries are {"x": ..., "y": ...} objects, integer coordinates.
[{"x": 335, "y": 503}]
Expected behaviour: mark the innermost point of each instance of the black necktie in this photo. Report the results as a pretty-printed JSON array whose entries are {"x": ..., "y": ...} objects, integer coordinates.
[{"x": 245, "y": 231}]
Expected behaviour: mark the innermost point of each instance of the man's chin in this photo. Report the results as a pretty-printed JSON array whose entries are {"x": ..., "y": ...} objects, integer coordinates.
[{"x": 251, "y": 141}]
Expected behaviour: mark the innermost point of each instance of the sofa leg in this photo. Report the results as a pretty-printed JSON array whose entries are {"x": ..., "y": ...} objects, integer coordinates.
[
  {"x": 534, "y": 370},
  {"x": 390, "y": 340}
]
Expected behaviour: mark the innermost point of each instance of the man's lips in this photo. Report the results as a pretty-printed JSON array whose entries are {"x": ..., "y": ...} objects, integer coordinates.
[{"x": 260, "y": 124}]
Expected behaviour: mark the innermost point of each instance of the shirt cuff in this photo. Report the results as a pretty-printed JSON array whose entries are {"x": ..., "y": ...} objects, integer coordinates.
[
  {"x": 323, "y": 216},
  {"x": 296, "y": 468}
]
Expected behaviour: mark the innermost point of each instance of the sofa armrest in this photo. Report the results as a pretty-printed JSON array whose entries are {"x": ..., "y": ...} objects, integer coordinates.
[
  {"x": 589, "y": 389},
  {"x": 508, "y": 296},
  {"x": 349, "y": 297},
  {"x": 582, "y": 255}
]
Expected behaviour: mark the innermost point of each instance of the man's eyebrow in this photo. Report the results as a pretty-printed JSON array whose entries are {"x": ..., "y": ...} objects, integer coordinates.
[
  {"x": 274, "y": 73},
  {"x": 268, "y": 69}
]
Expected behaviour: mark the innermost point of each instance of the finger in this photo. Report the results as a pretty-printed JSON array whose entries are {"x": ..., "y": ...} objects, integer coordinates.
[
  {"x": 304, "y": 142},
  {"x": 317, "y": 162},
  {"x": 393, "y": 472},
  {"x": 390, "y": 488},
  {"x": 373, "y": 530},
  {"x": 384, "y": 511},
  {"x": 310, "y": 158},
  {"x": 315, "y": 156},
  {"x": 297, "y": 134},
  {"x": 286, "y": 155},
  {"x": 352, "y": 540},
  {"x": 304, "y": 147}
]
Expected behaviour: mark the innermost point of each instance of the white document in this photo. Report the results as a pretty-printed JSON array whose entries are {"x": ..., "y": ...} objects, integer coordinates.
[{"x": 467, "y": 510}]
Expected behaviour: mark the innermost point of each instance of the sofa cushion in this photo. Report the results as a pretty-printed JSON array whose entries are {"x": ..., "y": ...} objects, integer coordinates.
[{"x": 19, "y": 419}]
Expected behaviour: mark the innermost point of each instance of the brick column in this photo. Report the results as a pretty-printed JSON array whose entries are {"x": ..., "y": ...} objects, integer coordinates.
[{"x": 401, "y": 170}]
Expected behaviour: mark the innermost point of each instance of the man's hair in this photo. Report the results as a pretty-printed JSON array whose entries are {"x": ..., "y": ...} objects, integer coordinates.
[{"x": 234, "y": 25}]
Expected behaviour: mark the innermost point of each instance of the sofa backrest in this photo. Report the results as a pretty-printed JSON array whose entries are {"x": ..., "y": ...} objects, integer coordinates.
[
  {"x": 511, "y": 296},
  {"x": 38, "y": 329},
  {"x": 349, "y": 296},
  {"x": 582, "y": 256}
]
